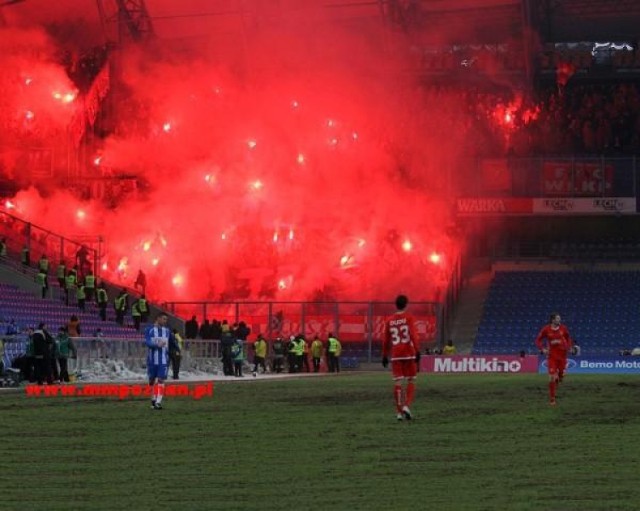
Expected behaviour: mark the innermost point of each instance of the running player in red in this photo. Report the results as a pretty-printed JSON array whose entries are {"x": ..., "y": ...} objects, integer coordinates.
[
  {"x": 557, "y": 348},
  {"x": 401, "y": 342}
]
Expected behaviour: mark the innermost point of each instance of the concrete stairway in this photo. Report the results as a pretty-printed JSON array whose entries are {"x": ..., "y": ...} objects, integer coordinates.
[{"x": 469, "y": 310}]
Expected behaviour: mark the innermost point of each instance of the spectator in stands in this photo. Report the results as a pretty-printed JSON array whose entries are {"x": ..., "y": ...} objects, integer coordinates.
[
  {"x": 175, "y": 354},
  {"x": 449, "y": 348},
  {"x": 12, "y": 329},
  {"x": 25, "y": 257},
  {"x": 278, "y": 355},
  {"x": 3, "y": 247},
  {"x": 241, "y": 331},
  {"x": 191, "y": 328},
  {"x": 625, "y": 352},
  {"x": 635, "y": 352},
  {"x": 82, "y": 260},
  {"x": 205, "y": 329},
  {"x": 576, "y": 349},
  {"x": 73, "y": 326},
  {"x": 64, "y": 350},
  {"x": 215, "y": 329},
  {"x": 141, "y": 282}
]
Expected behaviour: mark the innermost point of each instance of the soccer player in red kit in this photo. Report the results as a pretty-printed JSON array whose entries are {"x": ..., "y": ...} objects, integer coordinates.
[
  {"x": 401, "y": 342},
  {"x": 558, "y": 345}
]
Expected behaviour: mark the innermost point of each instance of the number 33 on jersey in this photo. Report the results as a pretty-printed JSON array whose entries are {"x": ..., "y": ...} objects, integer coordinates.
[{"x": 401, "y": 340}]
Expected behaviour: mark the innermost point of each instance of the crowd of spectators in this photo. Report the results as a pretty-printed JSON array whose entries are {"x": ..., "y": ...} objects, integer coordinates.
[{"x": 576, "y": 119}]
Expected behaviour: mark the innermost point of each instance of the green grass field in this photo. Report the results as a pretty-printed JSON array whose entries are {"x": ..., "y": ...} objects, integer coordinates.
[{"x": 479, "y": 442}]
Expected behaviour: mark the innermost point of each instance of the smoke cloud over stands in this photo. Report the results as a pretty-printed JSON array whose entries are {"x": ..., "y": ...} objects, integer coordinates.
[{"x": 318, "y": 171}]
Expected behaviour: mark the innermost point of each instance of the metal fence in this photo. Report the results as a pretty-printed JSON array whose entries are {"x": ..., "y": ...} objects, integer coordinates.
[
  {"x": 359, "y": 325},
  {"x": 131, "y": 352},
  {"x": 20, "y": 234}
]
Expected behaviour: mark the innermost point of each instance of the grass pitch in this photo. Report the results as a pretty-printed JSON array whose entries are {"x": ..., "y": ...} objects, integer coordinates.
[{"x": 479, "y": 442}]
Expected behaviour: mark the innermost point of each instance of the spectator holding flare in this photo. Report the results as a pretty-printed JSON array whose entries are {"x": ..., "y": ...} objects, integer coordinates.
[
  {"x": 558, "y": 345},
  {"x": 159, "y": 341},
  {"x": 401, "y": 343}
]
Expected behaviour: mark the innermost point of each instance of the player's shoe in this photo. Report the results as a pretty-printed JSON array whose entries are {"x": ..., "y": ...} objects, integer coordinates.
[
  {"x": 153, "y": 404},
  {"x": 399, "y": 417},
  {"x": 553, "y": 402},
  {"x": 157, "y": 406},
  {"x": 407, "y": 413}
]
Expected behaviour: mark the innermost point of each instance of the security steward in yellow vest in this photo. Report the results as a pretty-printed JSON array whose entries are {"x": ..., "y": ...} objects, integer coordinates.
[
  {"x": 260, "y": 354},
  {"x": 136, "y": 315},
  {"x": 334, "y": 348},
  {"x": 316, "y": 353},
  {"x": 81, "y": 296},
  {"x": 43, "y": 282},
  {"x": 90, "y": 285},
  {"x": 70, "y": 285},
  {"x": 143, "y": 307},
  {"x": 43, "y": 264},
  {"x": 292, "y": 350},
  {"x": 120, "y": 306},
  {"x": 61, "y": 273},
  {"x": 103, "y": 300}
]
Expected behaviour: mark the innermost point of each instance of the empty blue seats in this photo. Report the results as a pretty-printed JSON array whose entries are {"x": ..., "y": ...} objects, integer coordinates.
[{"x": 600, "y": 309}]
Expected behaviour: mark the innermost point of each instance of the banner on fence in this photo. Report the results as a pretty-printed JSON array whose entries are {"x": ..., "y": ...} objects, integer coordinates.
[
  {"x": 479, "y": 364},
  {"x": 598, "y": 365}
]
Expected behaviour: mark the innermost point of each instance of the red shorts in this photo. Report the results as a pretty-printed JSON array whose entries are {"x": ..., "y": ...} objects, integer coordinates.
[
  {"x": 556, "y": 364},
  {"x": 406, "y": 368}
]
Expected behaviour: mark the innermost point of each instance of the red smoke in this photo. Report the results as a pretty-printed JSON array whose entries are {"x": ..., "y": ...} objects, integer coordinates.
[{"x": 310, "y": 173}]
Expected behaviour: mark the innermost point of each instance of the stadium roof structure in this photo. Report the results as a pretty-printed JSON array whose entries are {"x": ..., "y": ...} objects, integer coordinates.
[{"x": 477, "y": 20}]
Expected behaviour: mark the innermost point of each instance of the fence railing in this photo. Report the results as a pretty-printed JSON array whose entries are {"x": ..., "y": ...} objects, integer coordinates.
[
  {"x": 131, "y": 352},
  {"x": 20, "y": 234},
  {"x": 358, "y": 324}
]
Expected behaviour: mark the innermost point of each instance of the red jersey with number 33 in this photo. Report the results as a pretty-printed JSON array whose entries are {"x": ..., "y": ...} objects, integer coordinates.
[
  {"x": 400, "y": 338},
  {"x": 558, "y": 340}
]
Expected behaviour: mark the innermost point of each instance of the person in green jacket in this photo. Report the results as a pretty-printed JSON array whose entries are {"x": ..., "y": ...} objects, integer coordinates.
[
  {"x": 65, "y": 349},
  {"x": 237, "y": 353}
]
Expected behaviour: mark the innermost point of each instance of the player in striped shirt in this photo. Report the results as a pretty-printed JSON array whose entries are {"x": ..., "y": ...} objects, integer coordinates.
[
  {"x": 159, "y": 340},
  {"x": 401, "y": 342}
]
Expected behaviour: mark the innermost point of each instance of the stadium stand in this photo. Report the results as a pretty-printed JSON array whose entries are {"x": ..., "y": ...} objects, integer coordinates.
[
  {"x": 28, "y": 310},
  {"x": 600, "y": 308}
]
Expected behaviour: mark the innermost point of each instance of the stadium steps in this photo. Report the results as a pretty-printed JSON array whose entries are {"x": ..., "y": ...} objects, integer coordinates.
[{"x": 469, "y": 310}]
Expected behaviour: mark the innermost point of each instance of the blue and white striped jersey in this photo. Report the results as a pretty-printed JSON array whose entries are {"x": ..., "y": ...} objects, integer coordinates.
[{"x": 157, "y": 339}]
